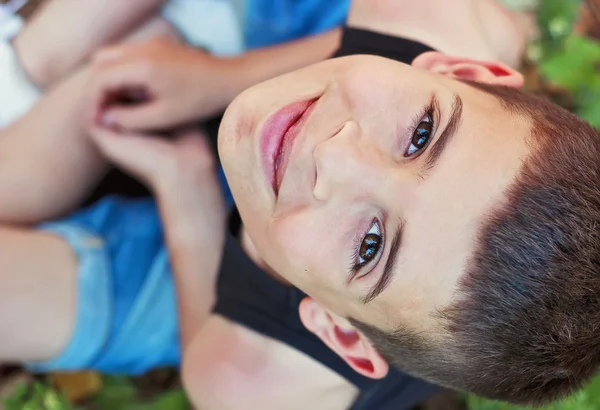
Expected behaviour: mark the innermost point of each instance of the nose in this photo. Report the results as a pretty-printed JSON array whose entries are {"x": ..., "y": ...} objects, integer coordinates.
[{"x": 348, "y": 165}]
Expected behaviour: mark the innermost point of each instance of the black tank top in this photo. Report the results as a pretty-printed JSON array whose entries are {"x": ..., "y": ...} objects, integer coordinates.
[{"x": 248, "y": 296}]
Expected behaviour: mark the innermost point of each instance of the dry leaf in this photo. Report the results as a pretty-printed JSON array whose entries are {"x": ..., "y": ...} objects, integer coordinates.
[{"x": 77, "y": 386}]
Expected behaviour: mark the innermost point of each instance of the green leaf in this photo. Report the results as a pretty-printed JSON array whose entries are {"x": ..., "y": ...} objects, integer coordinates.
[
  {"x": 117, "y": 393},
  {"x": 576, "y": 67},
  {"x": 120, "y": 393},
  {"x": 173, "y": 400},
  {"x": 591, "y": 113},
  {"x": 36, "y": 396},
  {"x": 556, "y": 19}
]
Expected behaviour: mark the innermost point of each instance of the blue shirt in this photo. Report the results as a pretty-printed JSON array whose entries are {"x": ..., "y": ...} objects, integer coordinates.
[{"x": 269, "y": 22}]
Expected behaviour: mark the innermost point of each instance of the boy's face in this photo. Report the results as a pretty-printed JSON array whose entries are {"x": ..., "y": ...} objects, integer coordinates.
[{"x": 371, "y": 202}]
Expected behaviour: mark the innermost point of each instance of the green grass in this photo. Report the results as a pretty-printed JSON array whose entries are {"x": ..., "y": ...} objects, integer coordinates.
[
  {"x": 586, "y": 399},
  {"x": 117, "y": 393}
]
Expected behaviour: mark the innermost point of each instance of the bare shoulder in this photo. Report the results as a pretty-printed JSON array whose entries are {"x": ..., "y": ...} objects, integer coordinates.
[
  {"x": 372, "y": 14},
  {"x": 228, "y": 366}
]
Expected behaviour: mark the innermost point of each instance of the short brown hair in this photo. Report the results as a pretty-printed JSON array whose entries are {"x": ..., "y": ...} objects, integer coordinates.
[{"x": 525, "y": 324}]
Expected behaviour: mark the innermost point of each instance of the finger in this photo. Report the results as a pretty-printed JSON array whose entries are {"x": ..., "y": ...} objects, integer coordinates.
[
  {"x": 111, "y": 53},
  {"x": 136, "y": 118},
  {"x": 141, "y": 155},
  {"x": 110, "y": 80}
]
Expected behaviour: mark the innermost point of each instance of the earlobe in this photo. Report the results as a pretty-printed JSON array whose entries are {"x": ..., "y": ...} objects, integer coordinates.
[
  {"x": 343, "y": 339},
  {"x": 490, "y": 72}
]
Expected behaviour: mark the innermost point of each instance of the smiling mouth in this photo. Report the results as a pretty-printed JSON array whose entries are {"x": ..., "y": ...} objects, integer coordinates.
[{"x": 279, "y": 134}]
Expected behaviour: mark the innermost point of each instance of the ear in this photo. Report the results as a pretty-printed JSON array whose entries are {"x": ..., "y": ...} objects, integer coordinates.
[
  {"x": 490, "y": 72},
  {"x": 343, "y": 339}
]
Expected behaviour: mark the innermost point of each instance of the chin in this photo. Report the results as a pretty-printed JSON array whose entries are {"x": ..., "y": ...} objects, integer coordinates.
[
  {"x": 226, "y": 142},
  {"x": 231, "y": 130}
]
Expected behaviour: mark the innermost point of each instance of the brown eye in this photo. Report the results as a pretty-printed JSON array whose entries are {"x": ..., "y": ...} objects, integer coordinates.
[
  {"x": 421, "y": 136},
  {"x": 370, "y": 245}
]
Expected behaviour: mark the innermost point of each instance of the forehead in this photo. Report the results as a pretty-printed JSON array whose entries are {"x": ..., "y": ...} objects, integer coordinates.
[{"x": 451, "y": 204}]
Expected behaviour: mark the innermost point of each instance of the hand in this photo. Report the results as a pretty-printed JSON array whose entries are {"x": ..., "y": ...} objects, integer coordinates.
[
  {"x": 157, "y": 85},
  {"x": 181, "y": 173},
  {"x": 158, "y": 161}
]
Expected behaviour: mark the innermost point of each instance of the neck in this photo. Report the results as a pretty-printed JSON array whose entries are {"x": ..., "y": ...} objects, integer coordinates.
[{"x": 478, "y": 29}]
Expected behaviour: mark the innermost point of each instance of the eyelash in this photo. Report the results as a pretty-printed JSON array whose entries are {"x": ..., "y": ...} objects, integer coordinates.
[{"x": 357, "y": 243}]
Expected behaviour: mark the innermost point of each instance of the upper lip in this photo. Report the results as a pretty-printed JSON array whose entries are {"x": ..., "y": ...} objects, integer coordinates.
[{"x": 277, "y": 139}]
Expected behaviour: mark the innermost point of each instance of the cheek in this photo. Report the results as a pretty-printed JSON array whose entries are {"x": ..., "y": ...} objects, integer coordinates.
[
  {"x": 298, "y": 249},
  {"x": 295, "y": 241},
  {"x": 365, "y": 85}
]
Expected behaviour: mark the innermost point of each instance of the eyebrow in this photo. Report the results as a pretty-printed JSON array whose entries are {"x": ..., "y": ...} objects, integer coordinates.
[
  {"x": 448, "y": 134},
  {"x": 388, "y": 270}
]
